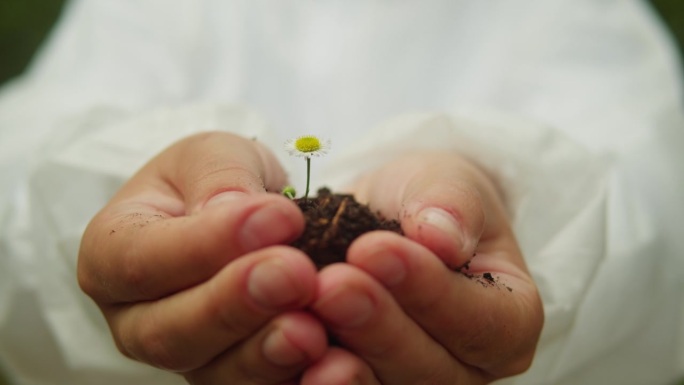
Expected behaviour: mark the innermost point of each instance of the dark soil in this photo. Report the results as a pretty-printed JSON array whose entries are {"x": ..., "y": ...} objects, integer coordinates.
[{"x": 333, "y": 222}]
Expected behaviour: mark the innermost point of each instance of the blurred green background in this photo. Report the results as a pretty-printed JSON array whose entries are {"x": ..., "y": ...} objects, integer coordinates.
[{"x": 24, "y": 24}]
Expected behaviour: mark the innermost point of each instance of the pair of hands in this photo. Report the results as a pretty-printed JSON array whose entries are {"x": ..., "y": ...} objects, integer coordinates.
[{"x": 189, "y": 266}]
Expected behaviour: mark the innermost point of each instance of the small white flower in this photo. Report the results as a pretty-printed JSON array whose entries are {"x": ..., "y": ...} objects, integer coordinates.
[{"x": 307, "y": 146}]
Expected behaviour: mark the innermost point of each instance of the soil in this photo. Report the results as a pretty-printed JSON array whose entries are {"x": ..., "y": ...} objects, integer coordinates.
[{"x": 333, "y": 222}]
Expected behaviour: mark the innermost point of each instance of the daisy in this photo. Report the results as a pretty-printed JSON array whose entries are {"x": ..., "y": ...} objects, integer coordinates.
[{"x": 307, "y": 146}]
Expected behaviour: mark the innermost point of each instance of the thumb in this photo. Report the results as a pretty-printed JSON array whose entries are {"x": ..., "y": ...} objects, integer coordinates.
[
  {"x": 438, "y": 198},
  {"x": 200, "y": 167},
  {"x": 204, "y": 166}
]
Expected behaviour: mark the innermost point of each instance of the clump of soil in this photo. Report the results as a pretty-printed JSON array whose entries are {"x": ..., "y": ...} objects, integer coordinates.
[{"x": 333, "y": 222}]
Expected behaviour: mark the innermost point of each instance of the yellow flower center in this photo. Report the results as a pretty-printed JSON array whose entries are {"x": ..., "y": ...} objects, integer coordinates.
[{"x": 308, "y": 144}]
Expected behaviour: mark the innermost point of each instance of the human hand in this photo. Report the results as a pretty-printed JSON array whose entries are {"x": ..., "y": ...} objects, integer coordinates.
[
  {"x": 399, "y": 310},
  {"x": 185, "y": 265}
]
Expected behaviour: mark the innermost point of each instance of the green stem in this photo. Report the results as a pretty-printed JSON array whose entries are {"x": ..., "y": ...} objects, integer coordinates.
[{"x": 308, "y": 175}]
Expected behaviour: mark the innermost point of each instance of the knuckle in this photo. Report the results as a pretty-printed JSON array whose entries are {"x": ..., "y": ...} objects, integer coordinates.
[
  {"x": 132, "y": 276},
  {"x": 160, "y": 355},
  {"x": 510, "y": 366},
  {"x": 86, "y": 272},
  {"x": 150, "y": 345},
  {"x": 492, "y": 349},
  {"x": 85, "y": 279},
  {"x": 195, "y": 378},
  {"x": 520, "y": 365},
  {"x": 123, "y": 346}
]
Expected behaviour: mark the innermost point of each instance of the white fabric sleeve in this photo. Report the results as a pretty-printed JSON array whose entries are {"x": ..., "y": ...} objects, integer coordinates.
[
  {"x": 581, "y": 220},
  {"x": 51, "y": 332},
  {"x": 603, "y": 255}
]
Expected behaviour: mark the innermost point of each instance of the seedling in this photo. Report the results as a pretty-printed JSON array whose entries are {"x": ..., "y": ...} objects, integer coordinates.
[
  {"x": 289, "y": 192},
  {"x": 306, "y": 147}
]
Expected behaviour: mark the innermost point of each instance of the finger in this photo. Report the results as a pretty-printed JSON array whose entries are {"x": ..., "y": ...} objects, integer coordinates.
[
  {"x": 276, "y": 355},
  {"x": 202, "y": 166},
  {"x": 185, "y": 331},
  {"x": 492, "y": 324},
  {"x": 339, "y": 367},
  {"x": 145, "y": 245},
  {"x": 133, "y": 253},
  {"x": 366, "y": 320},
  {"x": 229, "y": 164},
  {"x": 437, "y": 197}
]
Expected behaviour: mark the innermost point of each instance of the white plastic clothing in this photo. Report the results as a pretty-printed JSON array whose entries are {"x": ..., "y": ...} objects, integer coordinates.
[{"x": 574, "y": 105}]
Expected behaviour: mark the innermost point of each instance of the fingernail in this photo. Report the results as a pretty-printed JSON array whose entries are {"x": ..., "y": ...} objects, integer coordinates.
[
  {"x": 280, "y": 351},
  {"x": 226, "y": 196},
  {"x": 346, "y": 308},
  {"x": 446, "y": 222},
  {"x": 267, "y": 226},
  {"x": 272, "y": 286}
]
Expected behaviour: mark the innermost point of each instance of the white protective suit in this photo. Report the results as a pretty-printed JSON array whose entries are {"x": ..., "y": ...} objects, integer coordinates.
[{"x": 574, "y": 105}]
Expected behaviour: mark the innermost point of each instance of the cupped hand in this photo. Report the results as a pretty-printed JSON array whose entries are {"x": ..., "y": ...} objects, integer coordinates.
[
  {"x": 185, "y": 264},
  {"x": 452, "y": 302}
]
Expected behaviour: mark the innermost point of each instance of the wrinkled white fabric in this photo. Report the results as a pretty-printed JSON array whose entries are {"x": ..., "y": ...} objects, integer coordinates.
[{"x": 574, "y": 106}]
